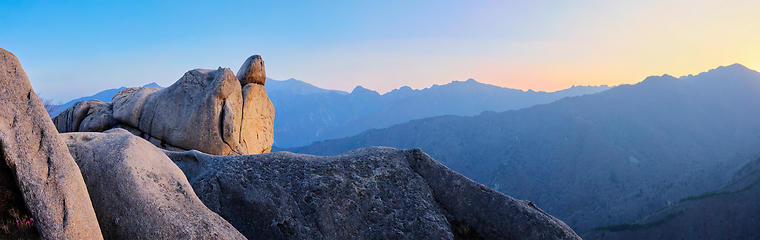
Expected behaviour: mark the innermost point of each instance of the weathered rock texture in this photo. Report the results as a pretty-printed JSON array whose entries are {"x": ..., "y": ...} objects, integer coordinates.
[
  {"x": 35, "y": 154},
  {"x": 202, "y": 110},
  {"x": 370, "y": 193},
  {"x": 252, "y": 71},
  {"x": 86, "y": 116},
  {"x": 206, "y": 110},
  {"x": 258, "y": 119},
  {"x": 138, "y": 193}
]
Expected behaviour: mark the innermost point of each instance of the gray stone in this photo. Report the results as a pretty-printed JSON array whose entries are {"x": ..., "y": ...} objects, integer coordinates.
[
  {"x": 128, "y": 104},
  {"x": 370, "y": 193},
  {"x": 138, "y": 193},
  {"x": 32, "y": 150},
  {"x": 202, "y": 111},
  {"x": 86, "y": 116},
  {"x": 252, "y": 71},
  {"x": 257, "y": 128},
  {"x": 206, "y": 110}
]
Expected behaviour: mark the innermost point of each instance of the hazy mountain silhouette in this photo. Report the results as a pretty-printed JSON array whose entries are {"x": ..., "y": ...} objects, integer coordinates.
[
  {"x": 306, "y": 113},
  {"x": 599, "y": 159},
  {"x": 105, "y": 96},
  {"x": 294, "y": 86},
  {"x": 732, "y": 212}
]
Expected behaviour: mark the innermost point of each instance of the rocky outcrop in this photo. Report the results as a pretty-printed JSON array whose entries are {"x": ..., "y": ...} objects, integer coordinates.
[
  {"x": 202, "y": 110},
  {"x": 257, "y": 130},
  {"x": 138, "y": 193},
  {"x": 212, "y": 111},
  {"x": 34, "y": 154},
  {"x": 86, "y": 116},
  {"x": 367, "y": 193},
  {"x": 252, "y": 71}
]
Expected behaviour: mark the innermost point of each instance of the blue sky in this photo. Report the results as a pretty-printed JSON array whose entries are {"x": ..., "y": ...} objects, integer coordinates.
[{"x": 76, "y": 48}]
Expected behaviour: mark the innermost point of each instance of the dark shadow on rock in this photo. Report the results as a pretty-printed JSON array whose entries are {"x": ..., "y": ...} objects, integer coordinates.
[{"x": 370, "y": 193}]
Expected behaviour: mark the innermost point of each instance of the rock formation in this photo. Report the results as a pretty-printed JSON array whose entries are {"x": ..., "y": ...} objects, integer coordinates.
[
  {"x": 34, "y": 154},
  {"x": 211, "y": 111},
  {"x": 138, "y": 193},
  {"x": 367, "y": 193},
  {"x": 86, "y": 116},
  {"x": 252, "y": 71}
]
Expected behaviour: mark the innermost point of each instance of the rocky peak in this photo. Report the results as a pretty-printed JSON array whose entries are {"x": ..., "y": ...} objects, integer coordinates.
[{"x": 252, "y": 71}]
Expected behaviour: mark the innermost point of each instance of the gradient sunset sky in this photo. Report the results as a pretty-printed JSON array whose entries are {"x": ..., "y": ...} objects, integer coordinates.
[{"x": 71, "y": 49}]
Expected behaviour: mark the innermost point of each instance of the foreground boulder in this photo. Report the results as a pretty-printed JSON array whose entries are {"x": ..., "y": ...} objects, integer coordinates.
[
  {"x": 212, "y": 111},
  {"x": 370, "y": 193},
  {"x": 35, "y": 156},
  {"x": 138, "y": 193}
]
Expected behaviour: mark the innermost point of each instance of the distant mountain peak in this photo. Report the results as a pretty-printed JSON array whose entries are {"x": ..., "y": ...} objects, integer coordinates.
[
  {"x": 297, "y": 86},
  {"x": 153, "y": 84},
  {"x": 657, "y": 79},
  {"x": 362, "y": 90},
  {"x": 730, "y": 70},
  {"x": 735, "y": 65}
]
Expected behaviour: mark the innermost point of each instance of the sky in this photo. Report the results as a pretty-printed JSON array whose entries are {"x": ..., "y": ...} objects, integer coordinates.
[{"x": 71, "y": 49}]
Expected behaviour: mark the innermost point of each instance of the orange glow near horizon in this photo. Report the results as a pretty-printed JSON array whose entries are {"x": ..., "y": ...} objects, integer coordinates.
[{"x": 538, "y": 45}]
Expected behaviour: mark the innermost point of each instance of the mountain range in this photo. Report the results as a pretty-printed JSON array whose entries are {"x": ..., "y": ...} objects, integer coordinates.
[
  {"x": 600, "y": 159},
  {"x": 731, "y": 212},
  {"x": 307, "y": 114}
]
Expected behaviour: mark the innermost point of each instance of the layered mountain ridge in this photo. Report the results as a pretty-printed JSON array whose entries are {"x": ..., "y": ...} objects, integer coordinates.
[
  {"x": 308, "y": 114},
  {"x": 730, "y": 212},
  {"x": 599, "y": 159}
]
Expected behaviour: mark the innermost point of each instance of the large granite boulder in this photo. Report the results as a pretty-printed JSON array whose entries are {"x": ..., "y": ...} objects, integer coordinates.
[
  {"x": 138, "y": 193},
  {"x": 202, "y": 111},
  {"x": 212, "y": 111},
  {"x": 34, "y": 154},
  {"x": 257, "y": 128},
  {"x": 86, "y": 116},
  {"x": 370, "y": 193}
]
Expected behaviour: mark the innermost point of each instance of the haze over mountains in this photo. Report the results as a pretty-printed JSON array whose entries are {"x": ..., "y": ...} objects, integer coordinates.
[
  {"x": 307, "y": 114},
  {"x": 601, "y": 159}
]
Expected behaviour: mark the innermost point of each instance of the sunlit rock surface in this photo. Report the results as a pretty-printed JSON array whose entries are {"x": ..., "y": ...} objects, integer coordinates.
[
  {"x": 34, "y": 154},
  {"x": 211, "y": 111}
]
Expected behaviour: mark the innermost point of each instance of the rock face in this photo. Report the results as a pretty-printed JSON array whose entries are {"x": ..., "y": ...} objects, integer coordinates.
[
  {"x": 34, "y": 153},
  {"x": 252, "y": 71},
  {"x": 206, "y": 110},
  {"x": 138, "y": 193},
  {"x": 257, "y": 130},
  {"x": 86, "y": 116},
  {"x": 202, "y": 110},
  {"x": 368, "y": 193}
]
